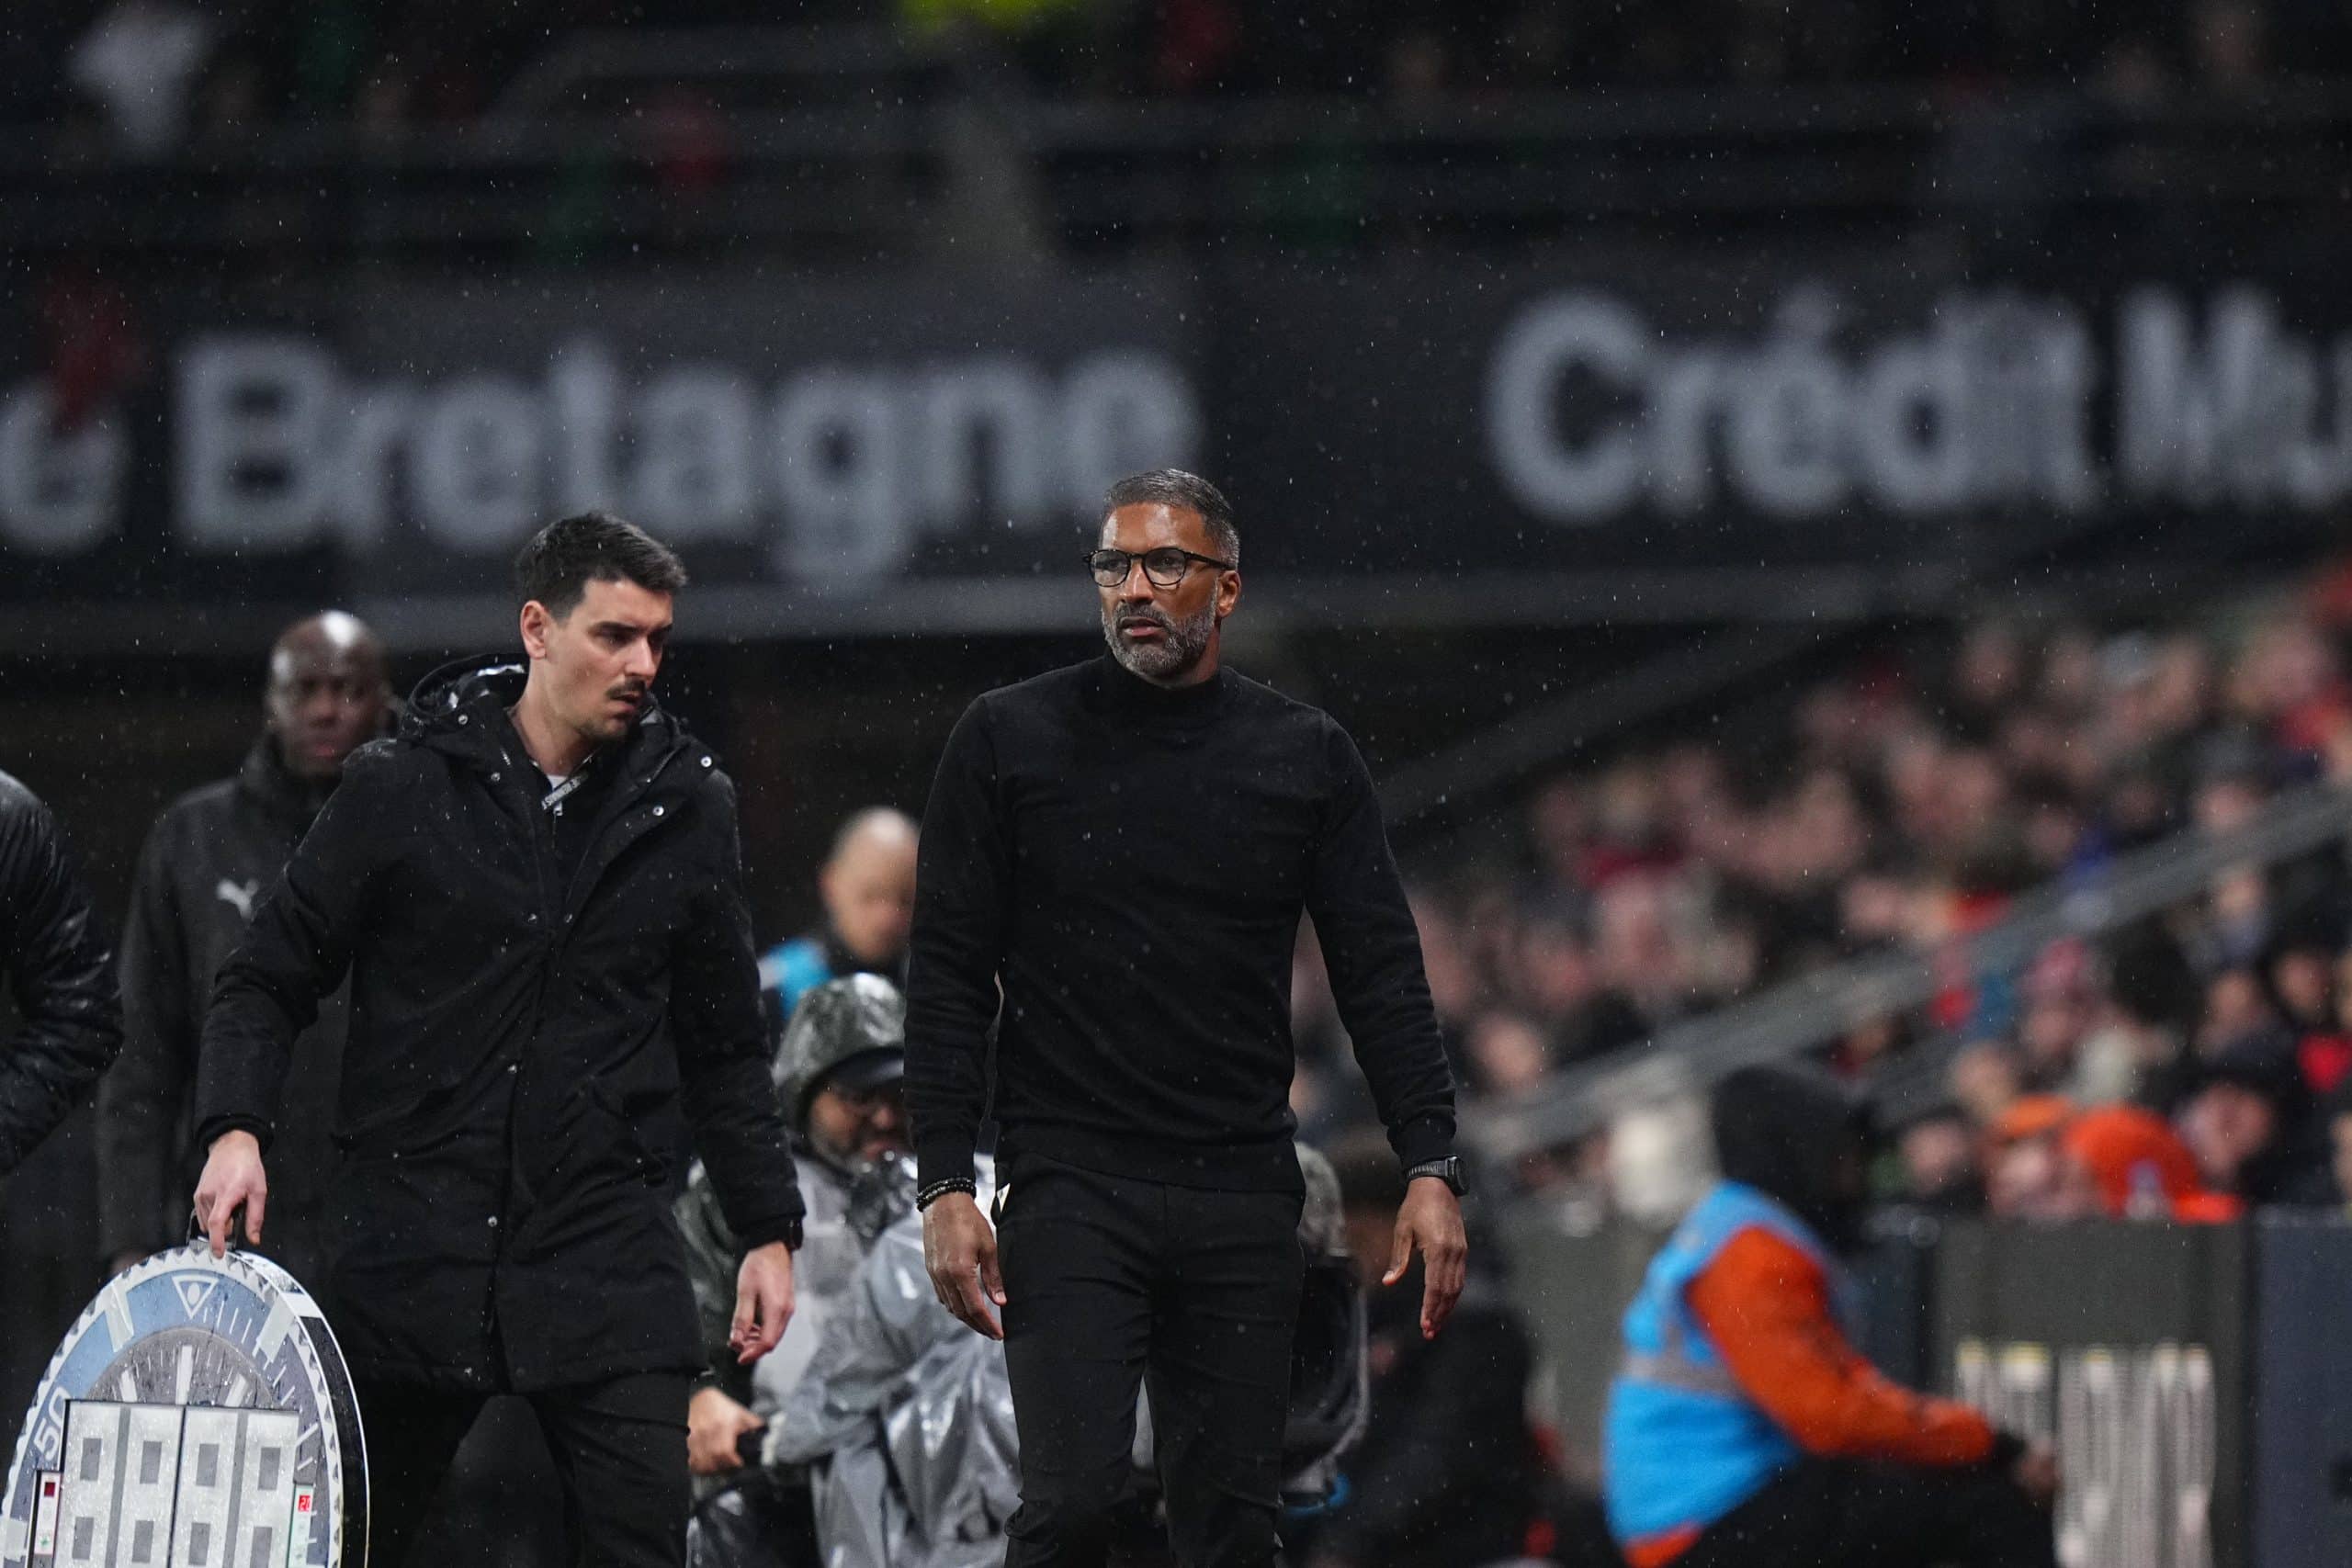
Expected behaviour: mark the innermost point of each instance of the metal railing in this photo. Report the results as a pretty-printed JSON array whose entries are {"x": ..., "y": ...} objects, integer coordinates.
[
  {"x": 844, "y": 142},
  {"x": 1804, "y": 1014}
]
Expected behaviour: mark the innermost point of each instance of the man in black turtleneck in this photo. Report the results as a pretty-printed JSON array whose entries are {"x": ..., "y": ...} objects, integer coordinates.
[
  {"x": 208, "y": 860},
  {"x": 1125, "y": 848}
]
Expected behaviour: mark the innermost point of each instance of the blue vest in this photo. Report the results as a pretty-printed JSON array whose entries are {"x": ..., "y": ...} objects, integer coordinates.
[
  {"x": 792, "y": 971},
  {"x": 1682, "y": 1445}
]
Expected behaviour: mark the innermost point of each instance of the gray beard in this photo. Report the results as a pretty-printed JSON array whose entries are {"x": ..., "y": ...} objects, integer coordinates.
[{"x": 1172, "y": 655}]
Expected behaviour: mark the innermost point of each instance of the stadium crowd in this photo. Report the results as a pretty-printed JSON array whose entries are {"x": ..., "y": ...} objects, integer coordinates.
[
  {"x": 2198, "y": 1056},
  {"x": 143, "y": 74}
]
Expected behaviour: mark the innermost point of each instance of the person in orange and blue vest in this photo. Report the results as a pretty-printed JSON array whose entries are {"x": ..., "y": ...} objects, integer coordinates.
[{"x": 1745, "y": 1429}]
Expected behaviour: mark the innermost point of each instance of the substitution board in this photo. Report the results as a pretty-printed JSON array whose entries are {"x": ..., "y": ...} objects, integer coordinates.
[{"x": 197, "y": 1416}]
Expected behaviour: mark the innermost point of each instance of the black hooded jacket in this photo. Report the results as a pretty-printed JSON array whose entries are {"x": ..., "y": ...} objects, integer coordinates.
[
  {"x": 58, "y": 974},
  {"x": 1798, "y": 1135},
  {"x": 524, "y": 1038},
  {"x": 207, "y": 861}
]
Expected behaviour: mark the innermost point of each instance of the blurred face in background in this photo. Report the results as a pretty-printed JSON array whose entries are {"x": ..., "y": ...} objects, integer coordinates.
[
  {"x": 2304, "y": 980},
  {"x": 2235, "y": 1006},
  {"x": 1938, "y": 1157},
  {"x": 1984, "y": 1080},
  {"x": 1509, "y": 1054},
  {"x": 2033, "y": 1180},
  {"x": 2339, "y": 1133},
  {"x": 2224, "y": 1126},
  {"x": 863, "y": 1124},
  {"x": 870, "y": 889},
  {"x": 327, "y": 693}
]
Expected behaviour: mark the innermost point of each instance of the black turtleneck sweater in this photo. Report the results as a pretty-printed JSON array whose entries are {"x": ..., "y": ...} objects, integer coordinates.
[{"x": 1129, "y": 862}]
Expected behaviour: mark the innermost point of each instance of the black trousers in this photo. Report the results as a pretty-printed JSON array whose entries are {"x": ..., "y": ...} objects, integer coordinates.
[
  {"x": 1112, "y": 1284},
  {"x": 620, "y": 1460},
  {"x": 1842, "y": 1513}
]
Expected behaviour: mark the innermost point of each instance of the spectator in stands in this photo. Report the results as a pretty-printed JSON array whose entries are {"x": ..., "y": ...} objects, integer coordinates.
[
  {"x": 1444, "y": 1475},
  {"x": 1985, "y": 1077},
  {"x": 2237, "y": 1008},
  {"x": 2026, "y": 1176},
  {"x": 2126, "y": 1163},
  {"x": 1745, "y": 1427},
  {"x": 2060, "y": 1000},
  {"x": 1657, "y": 886},
  {"x": 1508, "y": 1056},
  {"x": 2135, "y": 1053},
  {"x": 868, "y": 885},
  {"x": 2249, "y": 1121},
  {"x": 2326, "y": 1056},
  {"x": 2298, "y": 974},
  {"x": 2340, "y": 1139},
  {"x": 1937, "y": 1149}
]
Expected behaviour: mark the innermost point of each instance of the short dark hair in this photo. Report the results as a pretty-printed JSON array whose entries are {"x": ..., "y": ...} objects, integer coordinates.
[
  {"x": 1174, "y": 486},
  {"x": 566, "y": 555}
]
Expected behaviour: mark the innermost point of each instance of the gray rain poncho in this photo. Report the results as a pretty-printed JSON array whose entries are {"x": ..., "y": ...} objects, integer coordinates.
[
  {"x": 913, "y": 1415},
  {"x": 902, "y": 1423}
]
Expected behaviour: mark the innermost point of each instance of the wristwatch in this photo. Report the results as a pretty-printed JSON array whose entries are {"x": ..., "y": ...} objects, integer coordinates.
[{"x": 1448, "y": 1171}]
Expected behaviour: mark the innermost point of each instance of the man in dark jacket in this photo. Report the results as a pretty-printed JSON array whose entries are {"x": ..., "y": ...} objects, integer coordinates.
[
  {"x": 60, "y": 975},
  {"x": 2252, "y": 1124},
  {"x": 206, "y": 862},
  {"x": 536, "y": 890}
]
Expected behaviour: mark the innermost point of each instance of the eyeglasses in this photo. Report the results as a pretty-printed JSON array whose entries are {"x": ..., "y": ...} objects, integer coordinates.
[
  {"x": 865, "y": 1101},
  {"x": 1165, "y": 566}
]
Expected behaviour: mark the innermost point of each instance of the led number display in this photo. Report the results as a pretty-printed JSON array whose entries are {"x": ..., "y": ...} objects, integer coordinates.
[{"x": 197, "y": 1416}]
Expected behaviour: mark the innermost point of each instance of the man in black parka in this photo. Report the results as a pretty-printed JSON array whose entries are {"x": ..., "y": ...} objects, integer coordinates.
[
  {"x": 206, "y": 862},
  {"x": 54, "y": 961},
  {"x": 534, "y": 887}
]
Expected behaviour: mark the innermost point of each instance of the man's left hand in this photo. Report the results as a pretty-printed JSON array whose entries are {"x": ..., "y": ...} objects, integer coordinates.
[
  {"x": 1430, "y": 1222},
  {"x": 762, "y": 1300}
]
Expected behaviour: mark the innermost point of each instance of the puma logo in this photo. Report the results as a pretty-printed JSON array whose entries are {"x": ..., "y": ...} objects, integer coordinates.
[{"x": 241, "y": 898}]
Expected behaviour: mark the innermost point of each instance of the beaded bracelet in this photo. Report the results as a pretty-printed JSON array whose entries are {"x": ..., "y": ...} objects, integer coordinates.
[{"x": 940, "y": 1189}]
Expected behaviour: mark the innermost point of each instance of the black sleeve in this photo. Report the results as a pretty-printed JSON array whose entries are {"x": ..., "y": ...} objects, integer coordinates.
[
  {"x": 296, "y": 950},
  {"x": 1373, "y": 949},
  {"x": 962, "y": 892},
  {"x": 60, "y": 973},
  {"x": 139, "y": 1103},
  {"x": 715, "y": 1016}
]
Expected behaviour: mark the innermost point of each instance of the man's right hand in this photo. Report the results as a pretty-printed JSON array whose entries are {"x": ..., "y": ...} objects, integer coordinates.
[
  {"x": 233, "y": 1179},
  {"x": 959, "y": 1249},
  {"x": 715, "y": 1424}
]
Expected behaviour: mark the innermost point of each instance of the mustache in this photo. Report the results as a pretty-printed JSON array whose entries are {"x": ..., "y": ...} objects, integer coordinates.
[
  {"x": 630, "y": 692},
  {"x": 1143, "y": 618}
]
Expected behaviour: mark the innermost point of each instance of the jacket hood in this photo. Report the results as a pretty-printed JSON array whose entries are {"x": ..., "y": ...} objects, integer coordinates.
[
  {"x": 856, "y": 1025},
  {"x": 460, "y": 707},
  {"x": 460, "y": 688},
  {"x": 1798, "y": 1135}
]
